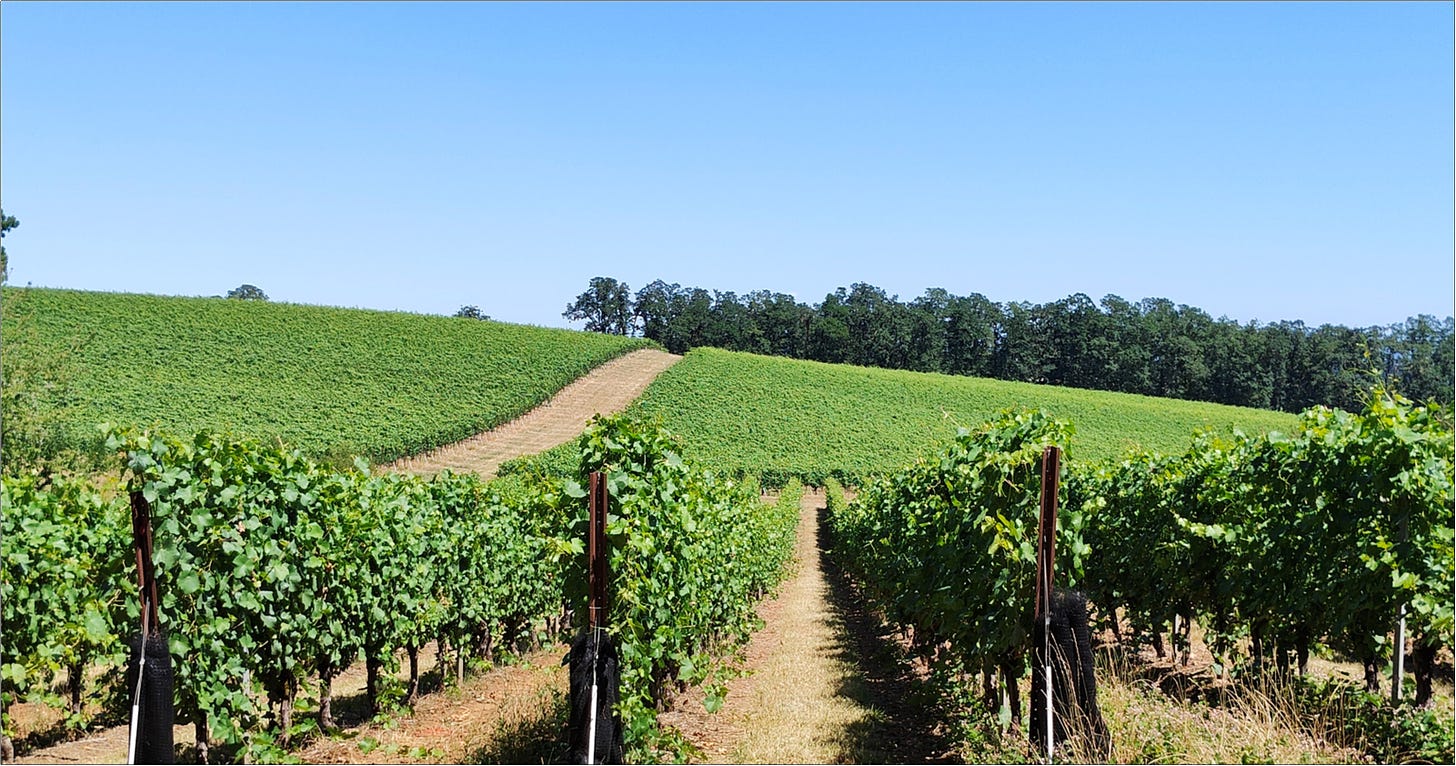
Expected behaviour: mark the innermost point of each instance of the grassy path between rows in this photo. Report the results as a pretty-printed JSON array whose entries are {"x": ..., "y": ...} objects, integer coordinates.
[{"x": 824, "y": 683}]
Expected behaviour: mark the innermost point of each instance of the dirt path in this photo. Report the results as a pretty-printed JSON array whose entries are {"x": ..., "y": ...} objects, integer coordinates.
[
  {"x": 825, "y": 683},
  {"x": 491, "y": 718},
  {"x": 506, "y": 715},
  {"x": 109, "y": 745},
  {"x": 606, "y": 389}
]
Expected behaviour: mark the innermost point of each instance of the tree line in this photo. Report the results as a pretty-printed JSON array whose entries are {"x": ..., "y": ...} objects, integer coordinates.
[{"x": 1151, "y": 347}]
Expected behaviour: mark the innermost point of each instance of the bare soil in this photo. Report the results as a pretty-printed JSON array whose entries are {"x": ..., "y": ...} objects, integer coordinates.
[
  {"x": 607, "y": 389},
  {"x": 509, "y": 714},
  {"x": 474, "y": 723}
]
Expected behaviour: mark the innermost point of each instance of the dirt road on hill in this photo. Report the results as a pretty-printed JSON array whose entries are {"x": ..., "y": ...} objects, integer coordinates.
[{"x": 606, "y": 389}]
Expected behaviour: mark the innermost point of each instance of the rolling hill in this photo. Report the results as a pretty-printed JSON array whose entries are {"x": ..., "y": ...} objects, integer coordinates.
[
  {"x": 779, "y": 417},
  {"x": 331, "y": 381}
]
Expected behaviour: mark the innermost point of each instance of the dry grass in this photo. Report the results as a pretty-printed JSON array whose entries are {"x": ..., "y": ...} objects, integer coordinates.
[
  {"x": 795, "y": 712},
  {"x": 1252, "y": 725},
  {"x": 1162, "y": 714},
  {"x": 1167, "y": 711},
  {"x": 508, "y": 713},
  {"x": 788, "y": 708},
  {"x": 824, "y": 684},
  {"x": 534, "y": 733}
]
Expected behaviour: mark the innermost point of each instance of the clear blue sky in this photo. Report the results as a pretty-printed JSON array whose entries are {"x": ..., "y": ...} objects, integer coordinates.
[{"x": 1259, "y": 161}]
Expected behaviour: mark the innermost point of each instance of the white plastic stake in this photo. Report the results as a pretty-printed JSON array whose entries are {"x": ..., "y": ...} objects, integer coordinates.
[
  {"x": 591, "y": 731},
  {"x": 135, "y": 704},
  {"x": 1397, "y": 681},
  {"x": 1048, "y": 634},
  {"x": 591, "y": 736},
  {"x": 137, "y": 700}
]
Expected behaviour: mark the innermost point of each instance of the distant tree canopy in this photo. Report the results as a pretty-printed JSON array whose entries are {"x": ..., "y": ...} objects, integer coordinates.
[
  {"x": 1150, "y": 347},
  {"x": 247, "y": 293},
  {"x": 606, "y": 307},
  {"x": 7, "y": 222},
  {"x": 470, "y": 312}
]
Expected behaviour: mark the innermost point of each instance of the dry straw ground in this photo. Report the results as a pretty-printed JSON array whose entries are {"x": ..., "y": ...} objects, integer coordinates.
[
  {"x": 823, "y": 685},
  {"x": 450, "y": 726}
]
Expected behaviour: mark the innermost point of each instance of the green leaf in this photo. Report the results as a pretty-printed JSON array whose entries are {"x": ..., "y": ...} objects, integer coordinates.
[{"x": 95, "y": 627}]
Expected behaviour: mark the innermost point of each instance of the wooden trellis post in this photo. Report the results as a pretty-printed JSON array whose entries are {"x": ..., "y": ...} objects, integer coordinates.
[
  {"x": 150, "y": 737},
  {"x": 596, "y": 552},
  {"x": 1051, "y": 460},
  {"x": 596, "y": 578}
]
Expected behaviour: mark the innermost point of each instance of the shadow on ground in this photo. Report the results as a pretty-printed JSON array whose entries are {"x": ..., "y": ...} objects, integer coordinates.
[
  {"x": 537, "y": 737},
  {"x": 907, "y": 726}
]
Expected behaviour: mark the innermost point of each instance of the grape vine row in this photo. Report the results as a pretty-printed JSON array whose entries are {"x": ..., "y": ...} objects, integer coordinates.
[
  {"x": 273, "y": 568},
  {"x": 1290, "y": 540}
]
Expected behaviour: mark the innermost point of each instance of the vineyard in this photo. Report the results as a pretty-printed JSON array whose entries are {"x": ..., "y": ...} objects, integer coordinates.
[
  {"x": 948, "y": 544},
  {"x": 274, "y": 569},
  {"x": 775, "y": 418},
  {"x": 1322, "y": 535},
  {"x": 1277, "y": 545},
  {"x": 269, "y": 567},
  {"x": 1271, "y": 538},
  {"x": 329, "y": 381},
  {"x": 691, "y": 553}
]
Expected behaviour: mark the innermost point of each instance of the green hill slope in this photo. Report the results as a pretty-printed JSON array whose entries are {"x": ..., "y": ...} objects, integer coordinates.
[
  {"x": 329, "y": 380},
  {"x": 777, "y": 417}
]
